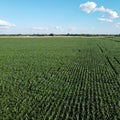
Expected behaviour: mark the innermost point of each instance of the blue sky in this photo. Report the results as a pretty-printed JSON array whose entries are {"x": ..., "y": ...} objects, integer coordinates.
[{"x": 59, "y": 16}]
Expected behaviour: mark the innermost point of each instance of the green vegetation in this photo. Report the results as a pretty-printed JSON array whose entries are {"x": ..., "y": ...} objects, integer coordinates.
[{"x": 60, "y": 78}]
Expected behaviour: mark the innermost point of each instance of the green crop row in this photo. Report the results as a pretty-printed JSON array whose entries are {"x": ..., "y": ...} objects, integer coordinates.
[{"x": 59, "y": 78}]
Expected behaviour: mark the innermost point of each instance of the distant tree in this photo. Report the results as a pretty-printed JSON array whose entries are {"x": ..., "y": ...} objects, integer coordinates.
[
  {"x": 51, "y": 34},
  {"x": 68, "y": 34}
]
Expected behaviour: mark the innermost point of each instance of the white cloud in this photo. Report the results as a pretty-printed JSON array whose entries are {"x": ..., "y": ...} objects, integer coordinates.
[
  {"x": 100, "y": 9},
  {"x": 59, "y": 28},
  {"x": 105, "y": 19},
  {"x": 40, "y": 28},
  {"x": 113, "y": 14},
  {"x": 6, "y": 25},
  {"x": 89, "y": 7}
]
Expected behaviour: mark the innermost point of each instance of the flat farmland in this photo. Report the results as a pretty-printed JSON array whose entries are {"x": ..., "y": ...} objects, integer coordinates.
[{"x": 60, "y": 78}]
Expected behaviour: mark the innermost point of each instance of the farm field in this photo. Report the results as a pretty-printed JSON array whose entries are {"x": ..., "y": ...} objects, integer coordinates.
[{"x": 60, "y": 78}]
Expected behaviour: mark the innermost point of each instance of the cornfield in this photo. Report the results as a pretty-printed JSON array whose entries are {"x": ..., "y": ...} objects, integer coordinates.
[{"x": 64, "y": 78}]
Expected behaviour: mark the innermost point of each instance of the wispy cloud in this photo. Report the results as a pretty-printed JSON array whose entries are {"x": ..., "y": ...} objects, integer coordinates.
[
  {"x": 59, "y": 28},
  {"x": 72, "y": 29},
  {"x": 117, "y": 25},
  {"x": 105, "y": 19},
  {"x": 40, "y": 28},
  {"x": 6, "y": 25},
  {"x": 89, "y": 7}
]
